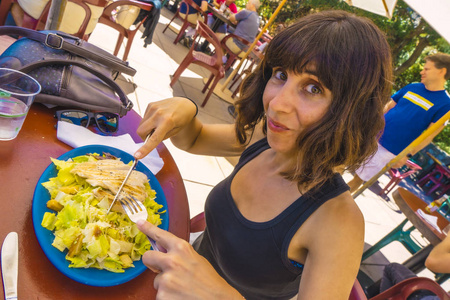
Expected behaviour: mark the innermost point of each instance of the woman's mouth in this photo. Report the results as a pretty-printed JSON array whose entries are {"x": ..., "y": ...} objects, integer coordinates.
[{"x": 275, "y": 126}]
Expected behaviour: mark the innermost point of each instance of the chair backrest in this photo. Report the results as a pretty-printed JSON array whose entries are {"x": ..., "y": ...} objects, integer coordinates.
[
  {"x": 191, "y": 3},
  {"x": 203, "y": 31},
  {"x": 357, "y": 292},
  {"x": 403, "y": 289},
  {"x": 120, "y": 6},
  {"x": 79, "y": 17}
]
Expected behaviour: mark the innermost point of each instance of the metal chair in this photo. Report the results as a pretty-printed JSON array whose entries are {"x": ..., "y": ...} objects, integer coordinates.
[
  {"x": 213, "y": 62},
  {"x": 186, "y": 23},
  {"x": 109, "y": 19}
]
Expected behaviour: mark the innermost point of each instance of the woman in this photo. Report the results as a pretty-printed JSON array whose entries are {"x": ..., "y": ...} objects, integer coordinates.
[{"x": 283, "y": 222}]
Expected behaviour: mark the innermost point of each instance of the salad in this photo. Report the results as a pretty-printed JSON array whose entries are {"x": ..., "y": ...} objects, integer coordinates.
[{"x": 92, "y": 238}]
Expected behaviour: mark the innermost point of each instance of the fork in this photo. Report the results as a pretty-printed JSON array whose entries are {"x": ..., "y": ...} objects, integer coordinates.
[{"x": 136, "y": 211}]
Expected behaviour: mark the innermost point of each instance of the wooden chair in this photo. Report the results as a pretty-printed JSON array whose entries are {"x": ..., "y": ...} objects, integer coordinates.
[
  {"x": 185, "y": 21},
  {"x": 109, "y": 19},
  {"x": 213, "y": 62},
  {"x": 402, "y": 290},
  {"x": 232, "y": 57},
  {"x": 39, "y": 24}
]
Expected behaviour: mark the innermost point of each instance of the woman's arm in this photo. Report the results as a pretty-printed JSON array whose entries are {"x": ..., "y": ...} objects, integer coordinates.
[
  {"x": 334, "y": 238},
  {"x": 175, "y": 118},
  {"x": 439, "y": 258}
]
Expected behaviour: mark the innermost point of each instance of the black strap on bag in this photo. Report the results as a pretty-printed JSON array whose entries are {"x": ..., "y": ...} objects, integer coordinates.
[
  {"x": 58, "y": 41},
  {"x": 127, "y": 105}
]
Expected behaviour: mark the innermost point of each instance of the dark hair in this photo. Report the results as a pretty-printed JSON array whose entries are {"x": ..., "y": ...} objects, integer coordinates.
[
  {"x": 440, "y": 60},
  {"x": 353, "y": 60}
]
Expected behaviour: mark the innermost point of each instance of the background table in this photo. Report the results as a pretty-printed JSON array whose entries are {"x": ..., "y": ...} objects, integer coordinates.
[
  {"x": 22, "y": 161},
  {"x": 409, "y": 204}
]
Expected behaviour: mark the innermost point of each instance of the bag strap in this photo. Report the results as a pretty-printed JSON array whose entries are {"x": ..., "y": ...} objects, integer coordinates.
[
  {"x": 56, "y": 40},
  {"x": 127, "y": 104}
]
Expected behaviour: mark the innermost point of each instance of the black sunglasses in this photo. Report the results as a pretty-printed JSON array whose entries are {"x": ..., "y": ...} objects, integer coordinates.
[{"x": 106, "y": 122}]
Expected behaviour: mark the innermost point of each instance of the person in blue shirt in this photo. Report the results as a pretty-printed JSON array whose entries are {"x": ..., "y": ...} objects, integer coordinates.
[{"x": 411, "y": 111}]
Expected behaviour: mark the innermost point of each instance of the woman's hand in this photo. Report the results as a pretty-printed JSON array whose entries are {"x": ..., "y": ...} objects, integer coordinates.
[
  {"x": 164, "y": 119},
  {"x": 182, "y": 272}
]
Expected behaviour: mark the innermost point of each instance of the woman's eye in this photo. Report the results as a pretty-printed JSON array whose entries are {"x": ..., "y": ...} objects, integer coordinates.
[
  {"x": 313, "y": 89},
  {"x": 279, "y": 74}
]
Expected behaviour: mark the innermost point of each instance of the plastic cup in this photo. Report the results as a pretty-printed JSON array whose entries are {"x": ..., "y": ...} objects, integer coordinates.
[{"x": 17, "y": 92}]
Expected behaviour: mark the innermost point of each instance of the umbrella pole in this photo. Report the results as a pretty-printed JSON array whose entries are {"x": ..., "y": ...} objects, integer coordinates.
[
  {"x": 402, "y": 154},
  {"x": 55, "y": 14},
  {"x": 250, "y": 48}
]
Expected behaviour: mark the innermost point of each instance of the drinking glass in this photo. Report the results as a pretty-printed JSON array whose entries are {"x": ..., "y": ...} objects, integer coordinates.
[{"x": 17, "y": 92}]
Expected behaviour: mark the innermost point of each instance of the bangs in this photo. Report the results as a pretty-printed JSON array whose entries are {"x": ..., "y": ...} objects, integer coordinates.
[{"x": 328, "y": 47}]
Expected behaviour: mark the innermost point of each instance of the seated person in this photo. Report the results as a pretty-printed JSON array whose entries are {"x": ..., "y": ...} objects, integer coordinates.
[
  {"x": 247, "y": 21},
  {"x": 193, "y": 17},
  {"x": 228, "y": 4}
]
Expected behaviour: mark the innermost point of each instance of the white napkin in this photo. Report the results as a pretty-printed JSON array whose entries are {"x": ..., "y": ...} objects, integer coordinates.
[
  {"x": 432, "y": 220},
  {"x": 77, "y": 136}
]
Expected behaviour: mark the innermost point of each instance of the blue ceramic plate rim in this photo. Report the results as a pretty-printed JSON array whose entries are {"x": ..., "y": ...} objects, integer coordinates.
[{"x": 93, "y": 277}]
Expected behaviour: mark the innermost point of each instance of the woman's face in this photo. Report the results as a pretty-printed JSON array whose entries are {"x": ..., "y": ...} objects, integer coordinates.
[{"x": 292, "y": 103}]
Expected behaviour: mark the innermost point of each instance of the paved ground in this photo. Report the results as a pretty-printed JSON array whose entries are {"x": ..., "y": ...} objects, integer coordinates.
[{"x": 155, "y": 65}]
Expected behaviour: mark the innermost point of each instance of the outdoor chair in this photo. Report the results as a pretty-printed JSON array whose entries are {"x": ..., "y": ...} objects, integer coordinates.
[
  {"x": 251, "y": 62},
  {"x": 402, "y": 290},
  {"x": 185, "y": 21},
  {"x": 397, "y": 176},
  {"x": 80, "y": 27},
  {"x": 439, "y": 180},
  {"x": 232, "y": 57},
  {"x": 110, "y": 19},
  {"x": 213, "y": 62}
]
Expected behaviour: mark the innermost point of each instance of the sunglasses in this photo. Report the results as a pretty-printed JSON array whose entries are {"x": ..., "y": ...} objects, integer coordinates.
[{"x": 106, "y": 122}]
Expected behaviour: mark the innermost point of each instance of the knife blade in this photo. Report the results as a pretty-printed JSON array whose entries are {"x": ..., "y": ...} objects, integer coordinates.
[
  {"x": 10, "y": 265},
  {"x": 127, "y": 176}
]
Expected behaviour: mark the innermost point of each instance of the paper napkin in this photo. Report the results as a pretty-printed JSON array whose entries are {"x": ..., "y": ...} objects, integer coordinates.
[
  {"x": 77, "y": 136},
  {"x": 432, "y": 220}
]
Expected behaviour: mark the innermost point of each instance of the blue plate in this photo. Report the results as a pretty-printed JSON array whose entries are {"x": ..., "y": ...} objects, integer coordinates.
[{"x": 45, "y": 237}]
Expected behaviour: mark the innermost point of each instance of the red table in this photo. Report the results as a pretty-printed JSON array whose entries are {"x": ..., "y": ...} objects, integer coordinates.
[{"x": 22, "y": 161}]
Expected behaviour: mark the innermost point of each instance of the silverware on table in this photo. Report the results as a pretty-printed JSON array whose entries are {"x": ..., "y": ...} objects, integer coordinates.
[
  {"x": 136, "y": 211},
  {"x": 126, "y": 177},
  {"x": 10, "y": 265}
]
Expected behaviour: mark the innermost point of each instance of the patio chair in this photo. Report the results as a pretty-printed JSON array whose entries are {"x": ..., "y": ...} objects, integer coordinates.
[
  {"x": 232, "y": 57},
  {"x": 80, "y": 27},
  {"x": 108, "y": 18},
  {"x": 402, "y": 290},
  {"x": 397, "y": 176},
  {"x": 213, "y": 62},
  {"x": 185, "y": 21}
]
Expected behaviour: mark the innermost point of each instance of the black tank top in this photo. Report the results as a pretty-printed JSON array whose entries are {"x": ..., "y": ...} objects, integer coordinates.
[{"x": 252, "y": 256}]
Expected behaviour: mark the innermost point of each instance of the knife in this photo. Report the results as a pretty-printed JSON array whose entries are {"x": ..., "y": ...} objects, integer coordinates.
[
  {"x": 10, "y": 265},
  {"x": 127, "y": 176}
]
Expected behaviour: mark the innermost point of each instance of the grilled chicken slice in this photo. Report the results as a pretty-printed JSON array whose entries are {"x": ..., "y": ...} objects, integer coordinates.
[{"x": 109, "y": 174}]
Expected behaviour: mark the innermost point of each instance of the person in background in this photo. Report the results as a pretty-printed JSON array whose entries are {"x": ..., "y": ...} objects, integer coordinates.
[
  {"x": 411, "y": 110},
  {"x": 283, "y": 223},
  {"x": 228, "y": 4},
  {"x": 193, "y": 17},
  {"x": 247, "y": 21}
]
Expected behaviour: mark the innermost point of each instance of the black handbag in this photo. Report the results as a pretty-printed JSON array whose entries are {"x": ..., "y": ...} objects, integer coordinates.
[{"x": 72, "y": 72}]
